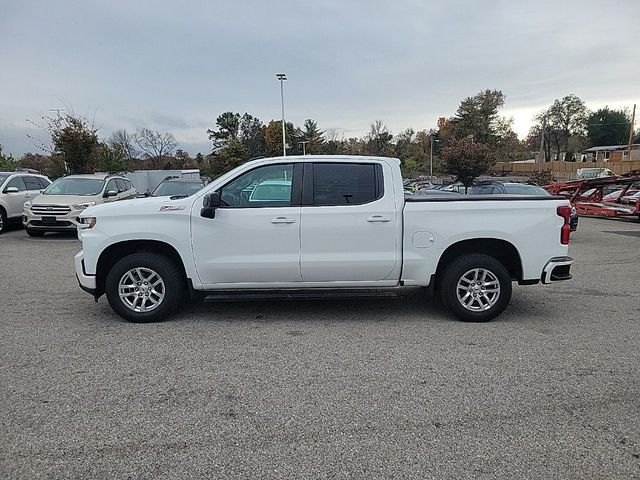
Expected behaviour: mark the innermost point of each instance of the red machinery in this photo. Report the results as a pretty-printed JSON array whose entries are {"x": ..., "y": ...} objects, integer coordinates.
[{"x": 587, "y": 195}]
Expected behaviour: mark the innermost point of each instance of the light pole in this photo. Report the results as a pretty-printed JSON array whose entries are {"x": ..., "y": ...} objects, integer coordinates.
[
  {"x": 303, "y": 143},
  {"x": 282, "y": 77},
  {"x": 431, "y": 162}
]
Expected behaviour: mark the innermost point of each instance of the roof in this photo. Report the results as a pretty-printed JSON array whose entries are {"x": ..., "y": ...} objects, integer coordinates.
[
  {"x": 91, "y": 176},
  {"x": 610, "y": 147}
]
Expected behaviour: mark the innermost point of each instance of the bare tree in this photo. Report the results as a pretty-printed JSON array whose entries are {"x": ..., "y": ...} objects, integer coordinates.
[
  {"x": 155, "y": 145},
  {"x": 123, "y": 142}
]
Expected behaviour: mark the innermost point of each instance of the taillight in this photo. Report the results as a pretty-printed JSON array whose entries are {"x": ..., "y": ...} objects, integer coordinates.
[{"x": 564, "y": 211}]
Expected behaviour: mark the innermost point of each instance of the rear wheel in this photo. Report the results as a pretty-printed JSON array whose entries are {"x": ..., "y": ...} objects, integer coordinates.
[
  {"x": 476, "y": 288},
  {"x": 144, "y": 287}
]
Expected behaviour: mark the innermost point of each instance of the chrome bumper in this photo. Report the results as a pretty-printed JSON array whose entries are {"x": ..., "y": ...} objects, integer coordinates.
[{"x": 557, "y": 269}]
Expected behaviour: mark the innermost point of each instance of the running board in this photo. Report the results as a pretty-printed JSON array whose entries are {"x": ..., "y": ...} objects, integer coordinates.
[{"x": 310, "y": 294}]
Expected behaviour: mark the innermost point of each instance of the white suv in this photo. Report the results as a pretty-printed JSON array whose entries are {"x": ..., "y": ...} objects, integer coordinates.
[
  {"x": 15, "y": 189},
  {"x": 57, "y": 209}
]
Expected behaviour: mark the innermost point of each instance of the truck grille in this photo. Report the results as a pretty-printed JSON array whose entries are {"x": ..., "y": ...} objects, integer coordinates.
[{"x": 50, "y": 209}]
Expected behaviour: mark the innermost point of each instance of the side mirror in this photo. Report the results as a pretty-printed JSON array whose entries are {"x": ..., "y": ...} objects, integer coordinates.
[
  {"x": 110, "y": 193},
  {"x": 11, "y": 190},
  {"x": 210, "y": 203}
]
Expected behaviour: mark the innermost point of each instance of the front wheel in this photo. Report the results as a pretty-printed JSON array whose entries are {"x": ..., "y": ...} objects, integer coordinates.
[
  {"x": 144, "y": 287},
  {"x": 476, "y": 288},
  {"x": 34, "y": 233}
]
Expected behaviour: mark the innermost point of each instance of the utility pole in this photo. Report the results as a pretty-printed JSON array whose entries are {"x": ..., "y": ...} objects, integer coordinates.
[
  {"x": 633, "y": 121},
  {"x": 282, "y": 77},
  {"x": 431, "y": 157},
  {"x": 303, "y": 143}
]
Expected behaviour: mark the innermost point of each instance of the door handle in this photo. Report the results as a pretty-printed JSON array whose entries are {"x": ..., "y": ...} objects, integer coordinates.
[
  {"x": 378, "y": 219},
  {"x": 283, "y": 220}
]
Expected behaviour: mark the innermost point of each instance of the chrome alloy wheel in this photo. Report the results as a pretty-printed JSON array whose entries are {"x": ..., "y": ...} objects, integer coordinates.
[
  {"x": 141, "y": 289},
  {"x": 478, "y": 290}
]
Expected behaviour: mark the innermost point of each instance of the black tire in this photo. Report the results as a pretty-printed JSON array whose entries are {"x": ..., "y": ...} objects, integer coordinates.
[
  {"x": 459, "y": 268},
  {"x": 166, "y": 269},
  {"x": 34, "y": 233},
  {"x": 3, "y": 220}
]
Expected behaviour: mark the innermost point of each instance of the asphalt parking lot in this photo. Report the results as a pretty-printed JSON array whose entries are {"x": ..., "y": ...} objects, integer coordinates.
[{"x": 383, "y": 388}]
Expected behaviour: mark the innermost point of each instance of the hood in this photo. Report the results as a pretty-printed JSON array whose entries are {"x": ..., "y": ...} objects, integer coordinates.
[
  {"x": 138, "y": 206},
  {"x": 43, "y": 199}
]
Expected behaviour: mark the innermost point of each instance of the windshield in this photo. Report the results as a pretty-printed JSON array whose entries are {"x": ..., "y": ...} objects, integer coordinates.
[
  {"x": 168, "y": 189},
  {"x": 75, "y": 186},
  {"x": 526, "y": 190}
]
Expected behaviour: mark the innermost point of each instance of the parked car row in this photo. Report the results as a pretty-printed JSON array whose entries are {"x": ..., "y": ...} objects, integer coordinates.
[
  {"x": 491, "y": 187},
  {"x": 43, "y": 206}
]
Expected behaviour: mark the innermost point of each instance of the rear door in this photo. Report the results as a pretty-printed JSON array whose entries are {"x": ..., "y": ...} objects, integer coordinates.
[{"x": 350, "y": 222}]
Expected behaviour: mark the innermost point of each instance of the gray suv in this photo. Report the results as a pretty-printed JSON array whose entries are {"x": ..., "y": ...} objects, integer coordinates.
[{"x": 16, "y": 188}]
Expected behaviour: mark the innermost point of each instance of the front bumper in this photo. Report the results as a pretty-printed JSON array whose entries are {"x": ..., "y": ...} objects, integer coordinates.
[
  {"x": 557, "y": 269},
  {"x": 86, "y": 282},
  {"x": 51, "y": 223}
]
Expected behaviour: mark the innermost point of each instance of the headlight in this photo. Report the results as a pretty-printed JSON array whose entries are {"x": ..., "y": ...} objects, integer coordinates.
[
  {"x": 27, "y": 204},
  {"x": 82, "y": 206},
  {"x": 86, "y": 222}
]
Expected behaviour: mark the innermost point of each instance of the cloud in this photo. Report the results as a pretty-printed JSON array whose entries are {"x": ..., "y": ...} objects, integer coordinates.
[{"x": 167, "y": 67}]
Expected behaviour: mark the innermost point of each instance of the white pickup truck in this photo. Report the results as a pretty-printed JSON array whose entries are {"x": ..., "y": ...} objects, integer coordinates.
[{"x": 317, "y": 225}]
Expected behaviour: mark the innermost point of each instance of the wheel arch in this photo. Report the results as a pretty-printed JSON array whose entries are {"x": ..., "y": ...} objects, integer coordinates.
[
  {"x": 118, "y": 250},
  {"x": 502, "y": 250}
]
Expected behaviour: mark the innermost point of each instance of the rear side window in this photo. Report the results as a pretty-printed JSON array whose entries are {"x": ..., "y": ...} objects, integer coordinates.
[
  {"x": 346, "y": 183},
  {"x": 31, "y": 183}
]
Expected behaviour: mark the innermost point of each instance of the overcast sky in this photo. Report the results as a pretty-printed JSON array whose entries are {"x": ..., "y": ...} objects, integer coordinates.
[{"x": 176, "y": 65}]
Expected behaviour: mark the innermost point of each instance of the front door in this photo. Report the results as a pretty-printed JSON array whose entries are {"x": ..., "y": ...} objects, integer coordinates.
[
  {"x": 15, "y": 200},
  {"x": 254, "y": 238},
  {"x": 350, "y": 223}
]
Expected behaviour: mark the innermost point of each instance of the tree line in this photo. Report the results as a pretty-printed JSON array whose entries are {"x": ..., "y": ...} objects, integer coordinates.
[{"x": 465, "y": 145}]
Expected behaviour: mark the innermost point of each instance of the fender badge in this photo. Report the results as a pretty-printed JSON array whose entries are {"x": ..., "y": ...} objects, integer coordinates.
[{"x": 171, "y": 208}]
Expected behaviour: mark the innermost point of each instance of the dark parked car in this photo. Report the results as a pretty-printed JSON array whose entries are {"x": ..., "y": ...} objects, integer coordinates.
[
  {"x": 182, "y": 187},
  {"x": 512, "y": 188}
]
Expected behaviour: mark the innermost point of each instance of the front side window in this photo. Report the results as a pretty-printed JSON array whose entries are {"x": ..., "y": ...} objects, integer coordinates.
[
  {"x": 122, "y": 187},
  {"x": 16, "y": 182},
  {"x": 268, "y": 186},
  {"x": 345, "y": 184},
  {"x": 111, "y": 186},
  {"x": 527, "y": 190}
]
